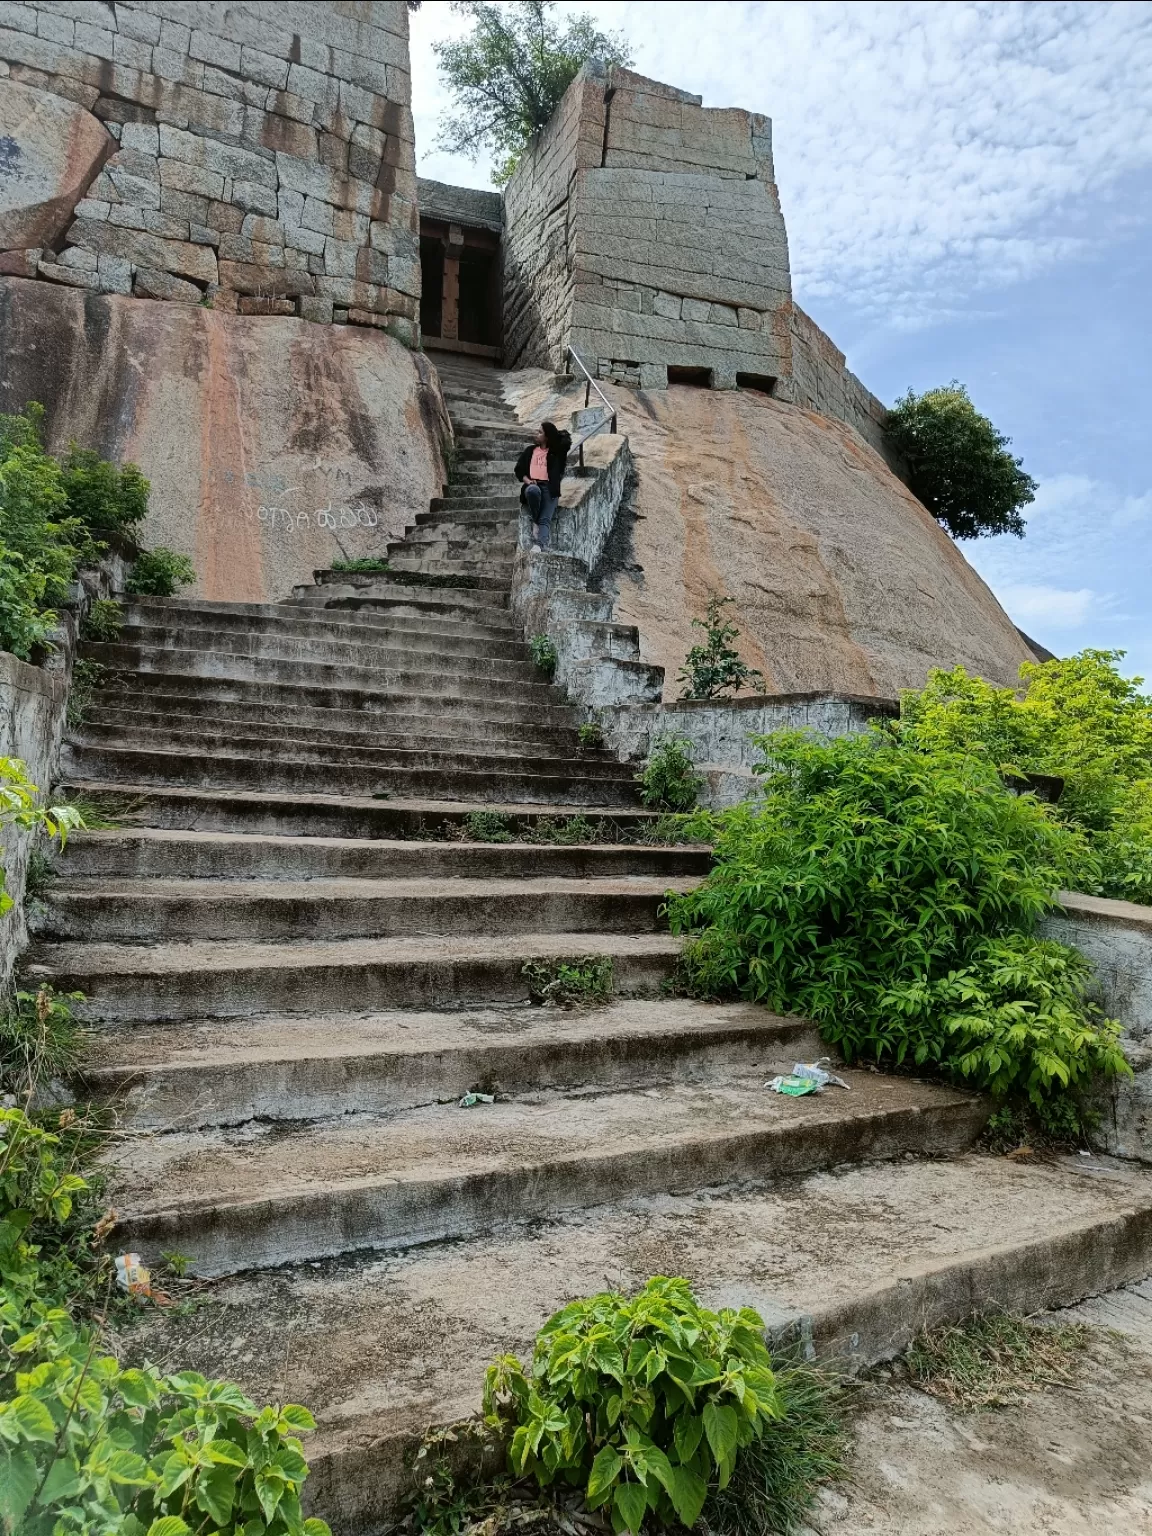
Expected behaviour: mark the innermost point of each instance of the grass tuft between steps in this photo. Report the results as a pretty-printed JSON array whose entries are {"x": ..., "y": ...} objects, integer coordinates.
[{"x": 996, "y": 1360}]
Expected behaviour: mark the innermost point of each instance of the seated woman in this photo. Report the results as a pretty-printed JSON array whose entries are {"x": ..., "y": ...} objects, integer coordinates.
[{"x": 540, "y": 470}]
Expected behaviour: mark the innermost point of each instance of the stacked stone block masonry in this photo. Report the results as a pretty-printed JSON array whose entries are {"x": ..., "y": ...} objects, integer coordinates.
[{"x": 258, "y": 156}]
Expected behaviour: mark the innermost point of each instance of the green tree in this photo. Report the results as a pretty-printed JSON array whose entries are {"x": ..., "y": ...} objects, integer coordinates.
[
  {"x": 507, "y": 76},
  {"x": 959, "y": 464}
]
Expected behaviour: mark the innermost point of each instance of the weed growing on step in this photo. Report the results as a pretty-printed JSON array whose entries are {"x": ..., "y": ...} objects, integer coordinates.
[
  {"x": 544, "y": 655},
  {"x": 103, "y": 621},
  {"x": 39, "y": 874},
  {"x": 590, "y": 736},
  {"x": 40, "y": 1040},
  {"x": 995, "y": 1361},
  {"x": 646, "y": 1403},
  {"x": 104, "y": 812},
  {"x": 584, "y": 983},
  {"x": 488, "y": 827},
  {"x": 20, "y": 809},
  {"x": 88, "y": 677},
  {"x": 668, "y": 780},
  {"x": 1057, "y": 1125},
  {"x": 366, "y": 564},
  {"x": 776, "y": 1477},
  {"x": 159, "y": 572},
  {"x": 715, "y": 668},
  {"x": 891, "y": 896}
]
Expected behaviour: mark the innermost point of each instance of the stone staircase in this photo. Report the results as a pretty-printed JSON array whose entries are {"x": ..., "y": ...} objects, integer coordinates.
[{"x": 295, "y": 984}]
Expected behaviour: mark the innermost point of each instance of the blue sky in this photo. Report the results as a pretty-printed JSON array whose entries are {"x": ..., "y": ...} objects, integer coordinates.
[{"x": 968, "y": 192}]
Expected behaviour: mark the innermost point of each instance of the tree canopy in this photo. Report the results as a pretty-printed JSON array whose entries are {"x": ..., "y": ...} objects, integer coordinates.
[
  {"x": 959, "y": 464},
  {"x": 507, "y": 76}
]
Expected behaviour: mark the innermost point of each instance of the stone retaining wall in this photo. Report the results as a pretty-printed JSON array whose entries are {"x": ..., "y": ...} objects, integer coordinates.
[{"x": 257, "y": 157}]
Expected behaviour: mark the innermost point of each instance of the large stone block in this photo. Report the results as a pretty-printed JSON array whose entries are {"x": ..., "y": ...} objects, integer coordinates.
[
  {"x": 50, "y": 150},
  {"x": 186, "y": 260}
]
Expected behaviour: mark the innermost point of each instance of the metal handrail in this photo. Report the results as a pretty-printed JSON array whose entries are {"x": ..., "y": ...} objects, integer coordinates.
[{"x": 590, "y": 384}]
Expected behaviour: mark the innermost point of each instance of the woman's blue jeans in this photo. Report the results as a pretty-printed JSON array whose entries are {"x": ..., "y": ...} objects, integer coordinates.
[{"x": 541, "y": 504}]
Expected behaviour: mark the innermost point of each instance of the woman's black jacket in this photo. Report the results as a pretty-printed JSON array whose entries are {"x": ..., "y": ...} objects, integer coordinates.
[{"x": 557, "y": 459}]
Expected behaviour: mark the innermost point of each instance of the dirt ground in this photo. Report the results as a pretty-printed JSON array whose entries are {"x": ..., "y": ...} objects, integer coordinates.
[{"x": 1064, "y": 1463}]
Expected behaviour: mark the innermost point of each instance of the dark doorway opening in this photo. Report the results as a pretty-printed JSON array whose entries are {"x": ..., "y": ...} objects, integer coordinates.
[
  {"x": 460, "y": 304},
  {"x": 700, "y": 378}
]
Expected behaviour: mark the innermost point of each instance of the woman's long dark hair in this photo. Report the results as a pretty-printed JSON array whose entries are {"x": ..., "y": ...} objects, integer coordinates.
[{"x": 556, "y": 441}]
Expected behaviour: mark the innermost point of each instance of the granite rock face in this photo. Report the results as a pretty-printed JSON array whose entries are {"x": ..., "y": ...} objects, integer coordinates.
[
  {"x": 50, "y": 149},
  {"x": 259, "y": 150},
  {"x": 272, "y": 445}
]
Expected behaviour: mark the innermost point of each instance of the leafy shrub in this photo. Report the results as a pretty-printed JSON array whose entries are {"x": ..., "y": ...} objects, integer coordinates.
[
  {"x": 90, "y": 1449},
  {"x": 715, "y": 667},
  {"x": 565, "y": 830},
  {"x": 1076, "y": 719},
  {"x": 958, "y": 463},
  {"x": 159, "y": 573},
  {"x": 544, "y": 655},
  {"x": 103, "y": 621},
  {"x": 365, "y": 563},
  {"x": 582, "y": 983},
  {"x": 87, "y": 679},
  {"x": 106, "y": 498},
  {"x": 645, "y": 1402},
  {"x": 26, "y": 619},
  {"x": 669, "y": 780},
  {"x": 890, "y": 895},
  {"x": 488, "y": 827},
  {"x": 18, "y": 808},
  {"x": 590, "y": 736}
]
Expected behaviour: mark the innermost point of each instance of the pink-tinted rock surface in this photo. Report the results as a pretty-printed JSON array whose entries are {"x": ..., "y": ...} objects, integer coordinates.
[
  {"x": 272, "y": 445},
  {"x": 50, "y": 149}
]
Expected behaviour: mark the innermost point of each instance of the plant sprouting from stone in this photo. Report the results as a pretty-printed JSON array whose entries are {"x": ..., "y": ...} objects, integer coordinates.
[
  {"x": 506, "y": 77},
  {"x": 160, "y": 572},
  {"x": 715, "y": 667},
  {"x": 19, "y": 808},
  {"x": 544, "y": 655},
  {"x": 958, "y": 463},
  {"x": 103, "y": 621},
  {"x": 583, "y": 983},
  {"x": 669, "y": 781},
  {"x": 590, "y": 736}
]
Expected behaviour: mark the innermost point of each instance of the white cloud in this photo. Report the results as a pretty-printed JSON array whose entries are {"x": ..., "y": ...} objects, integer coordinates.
[
  {"x": 924, "y": 150},
  {"x": 1053, "y": 607}
]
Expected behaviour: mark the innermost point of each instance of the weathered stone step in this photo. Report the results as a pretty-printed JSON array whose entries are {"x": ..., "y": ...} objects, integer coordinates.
[
  {"x": 271, "y": 814},
  {"x": 155, "y": 852},
  {"x": 254, "y": 1197},
  {"x": 490, "y": 576},
  {"x": 491, "y": 603},
  {"x": 391, "y": 600},
  {"x": 125, "y": 910},
  {"x": 237, "y": 721},
  {"x": 854, "y": 1262},
  {"x": 302, "y": 747},
  {"x": 509, "y": 502},
  {"x": 387, "y": 727},
  {"x": 446, "y": 545},
  {"x": 269, "y": 769},
  {"x": 214, "y": 979},
  {"x": 434, "y": 631},
  {"x": 217, "y": 1073},
  {"x": 358, "y": 653},
  {"x": 475, "y": 705},
  {"x": 482, "y": 523},
  {"x": 487, "y": 678}
]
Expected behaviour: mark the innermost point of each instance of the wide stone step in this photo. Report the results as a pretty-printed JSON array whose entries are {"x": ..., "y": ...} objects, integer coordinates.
[
  {"x": 236, "y": 722},
  {"x": 214, "y": 1073},
  {"x": 448, "y": 545},
  {"x": 489, "y": 603},
  {"x": 269, "y": 769},
  {"x": 509, "y": 502},
  {"x": 142, "y": 910},
  {"x": 474, "y": 705},
  {"x": 855, "y": 1262},
  {"x": 391, "y": 601},
  {"x": 303, "y": 747},
  {"x": 253, "y": 1197},
  {"x": 497, "y": 679},
  {"x": 215, "y": 979},
  {"x": 153, "y": 852},
  {"x": 435, "y": 631},
  {"x": 157, "y": 710},
  {"x": 465, "y": 661},
  {"x": 483, "y": 524},
  {"x": 268, "y": 813},
  {"x": 494, "y": 571}
]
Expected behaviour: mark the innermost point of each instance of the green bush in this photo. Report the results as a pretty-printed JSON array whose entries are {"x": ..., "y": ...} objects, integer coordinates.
[
  {"x": 668, "y": 780},
  {"x": 590, "y": 736},
  {"x": 87, "y": 679},
  {"x": 159, "y": 572},
  {"x": 367, "y": 563},
  {"x": 646, "y": 1403},
  {"x": 19, "y": 808},
  {"x": 891, "y": 895},
  {"x": 488, "y": 827},
  {"x": 103, "y": 621},
  {"x": 544, "y": 655},
  {"x": 958, "y": 463},
  {"x": 39, "y": 1039},
  {"x": 106, "y": 498},
  {"x": 714, "y": 668},
  {"x": 90, "y": 1449},
  {"x": 585, "y": 983},
  {"x": 1076, "y": 719}
]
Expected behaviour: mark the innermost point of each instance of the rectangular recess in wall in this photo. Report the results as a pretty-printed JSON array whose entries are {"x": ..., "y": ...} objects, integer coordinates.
[
  {"x": 760, "y": 382},
  {"x": 701, "y": 378}
]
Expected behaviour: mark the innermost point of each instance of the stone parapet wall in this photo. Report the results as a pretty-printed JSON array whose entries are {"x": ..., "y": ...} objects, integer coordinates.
[
  {"x": 260, "y": 158},
  {"x": 461, "y": 205},
  {"x": 821, "y": 382}
]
